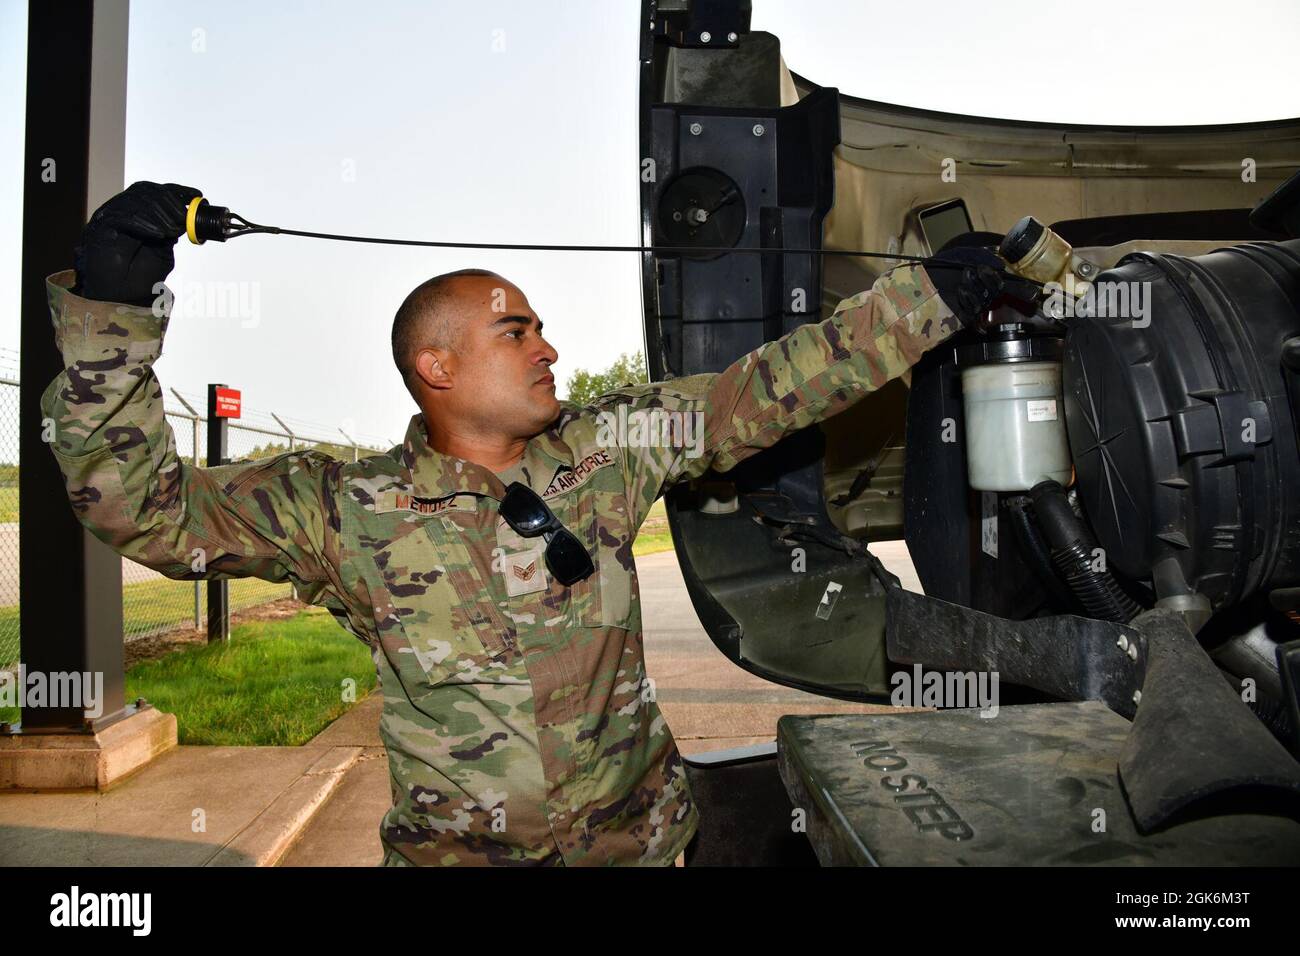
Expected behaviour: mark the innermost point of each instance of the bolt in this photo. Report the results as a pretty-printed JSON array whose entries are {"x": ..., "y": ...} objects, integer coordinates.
[
  {"x": 677, "y": 215},
  {"x": 705, "y": 37},
  {"x": 1137, "y": 697},
  {"x": 696, "y": 129},
  {"x": 1133, "y": 650},
  {"x": 1122, "y": 643},
  {"x": 1085, "y": 269},
  {"x": 140, "y": 702},
  {"x": 731, "y": 37},
  {"x": 758, "y": 129}
]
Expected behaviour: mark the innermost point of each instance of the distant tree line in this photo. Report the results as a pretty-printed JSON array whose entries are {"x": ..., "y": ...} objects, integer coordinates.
[{"x": 584, "y": 386}]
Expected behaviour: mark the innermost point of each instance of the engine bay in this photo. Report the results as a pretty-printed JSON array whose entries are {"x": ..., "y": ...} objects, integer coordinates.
[{"x": 1066, "y": 482}]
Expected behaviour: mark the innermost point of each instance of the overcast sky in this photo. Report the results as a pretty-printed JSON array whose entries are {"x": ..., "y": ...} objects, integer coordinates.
[{"x": 516, "y": 122}]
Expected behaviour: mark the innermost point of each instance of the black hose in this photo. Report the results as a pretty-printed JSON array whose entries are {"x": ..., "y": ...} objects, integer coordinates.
[
  {"x": 1035, "y": 552},
  {"x": 1072, "y": 552}
]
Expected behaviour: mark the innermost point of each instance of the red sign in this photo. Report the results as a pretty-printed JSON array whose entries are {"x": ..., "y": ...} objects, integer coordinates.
[{"x": 228, "y": 403}]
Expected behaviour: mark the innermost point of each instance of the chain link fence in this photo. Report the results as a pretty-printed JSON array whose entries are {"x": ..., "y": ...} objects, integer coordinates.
[
  {"x": 8, "y": 520},
  {"x": 153, "y": 604}
]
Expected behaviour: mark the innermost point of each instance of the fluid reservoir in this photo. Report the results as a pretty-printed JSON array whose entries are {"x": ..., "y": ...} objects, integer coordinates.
[{"x": 1015, "y": 419}]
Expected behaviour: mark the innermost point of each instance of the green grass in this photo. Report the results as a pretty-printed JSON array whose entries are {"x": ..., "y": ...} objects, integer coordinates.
[
  {"x": 654, "y": 535},
  {"x": 9, "y": 503},
  {"x": 276, "y": 683}
]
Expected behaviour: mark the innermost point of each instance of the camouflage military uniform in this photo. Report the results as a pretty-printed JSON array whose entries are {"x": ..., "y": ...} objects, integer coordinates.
[{"x": 518, "y": 719}]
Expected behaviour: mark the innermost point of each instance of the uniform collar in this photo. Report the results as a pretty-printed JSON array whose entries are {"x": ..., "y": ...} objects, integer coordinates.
[{"x": 436, "y": 475}]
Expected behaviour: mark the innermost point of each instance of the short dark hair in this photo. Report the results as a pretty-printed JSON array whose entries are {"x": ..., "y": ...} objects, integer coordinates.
[{"x": 422, "y": 319}]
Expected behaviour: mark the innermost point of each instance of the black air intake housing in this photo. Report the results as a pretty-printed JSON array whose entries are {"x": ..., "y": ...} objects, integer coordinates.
[{"x": 1182, "y": 423}]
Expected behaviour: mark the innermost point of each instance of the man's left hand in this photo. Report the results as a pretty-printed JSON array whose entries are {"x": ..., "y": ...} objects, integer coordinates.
[{"x": 971, "y": 279}]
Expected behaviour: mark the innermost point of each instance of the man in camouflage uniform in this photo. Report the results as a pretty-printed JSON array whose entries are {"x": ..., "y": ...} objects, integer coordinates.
[{"x": 517, "y": 718}]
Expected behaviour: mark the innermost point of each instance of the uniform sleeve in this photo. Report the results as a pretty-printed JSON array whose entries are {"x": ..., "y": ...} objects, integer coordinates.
[
  {"x": 276, "y": 519},
  {"x": 818, "y": 370}
]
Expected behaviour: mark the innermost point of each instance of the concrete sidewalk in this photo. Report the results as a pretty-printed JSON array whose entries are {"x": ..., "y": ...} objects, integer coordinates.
[
  {"x": 346, "y": 830},
  {"x": 321, "y": 804},
  {"x": 193, "y": 806}
]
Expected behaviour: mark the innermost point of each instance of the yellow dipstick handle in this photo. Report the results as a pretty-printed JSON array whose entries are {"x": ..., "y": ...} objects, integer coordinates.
[{"x": 190, "y": 213}]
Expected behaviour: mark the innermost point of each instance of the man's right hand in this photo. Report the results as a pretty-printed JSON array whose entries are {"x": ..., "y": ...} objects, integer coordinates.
[{"x": 128, "y": 247}]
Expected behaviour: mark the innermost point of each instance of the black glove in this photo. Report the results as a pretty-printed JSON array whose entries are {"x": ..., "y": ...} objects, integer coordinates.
[
  {"x": 970, "y": 279},
  {"x": 128, "y": 246}
]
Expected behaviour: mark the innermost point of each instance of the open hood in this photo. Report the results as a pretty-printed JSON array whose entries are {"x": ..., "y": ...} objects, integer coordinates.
[{"x": 815, "y": 168}]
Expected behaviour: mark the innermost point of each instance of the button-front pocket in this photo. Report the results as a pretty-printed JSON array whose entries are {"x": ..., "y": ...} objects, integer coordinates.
[
  {"x": 599, "y": 518},
  {"x": 450, "y": 625}
]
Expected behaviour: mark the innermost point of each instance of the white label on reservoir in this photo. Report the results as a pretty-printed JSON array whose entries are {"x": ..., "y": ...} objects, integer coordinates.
[
  {"x": 1041, "y": 410},
  {"x": 989, "y": 523}
]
